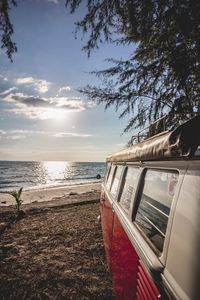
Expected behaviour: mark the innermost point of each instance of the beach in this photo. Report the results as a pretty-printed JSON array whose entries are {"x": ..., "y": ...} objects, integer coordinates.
[
  {"x": 54, "y": 195},
  {"x": 56, "y": 250}
]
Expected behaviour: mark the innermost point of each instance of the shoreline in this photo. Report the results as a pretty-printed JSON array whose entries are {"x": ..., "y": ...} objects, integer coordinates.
[
  {"x": 54, "y": 195},
  {"x": 49, "y": 186}
]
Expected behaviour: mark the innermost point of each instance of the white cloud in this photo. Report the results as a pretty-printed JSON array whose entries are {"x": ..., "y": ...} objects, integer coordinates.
[
  {"x": 17, "y": 134},
  {"x": 22, "y": 131},
  {"x": 3, "y": 78},
  {"x": 64, "y": 89},
  {"x": 35, "y": 107},
  {"x": 9, "y": 91},
  {"x": 17, "y": 137},
  {"x": 2, "y": 132},
  {"x": 31, "y": 113},
  {"x": 10, "y": 136},
  {"x": 71, "y": 134},
  {"x": 91, "y": 104},
  {"x": 41, "y": 86},
  {"x": 53, "y": 1}
]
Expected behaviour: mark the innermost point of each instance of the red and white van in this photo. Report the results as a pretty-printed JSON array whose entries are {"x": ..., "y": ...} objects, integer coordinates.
[{"x": 150, "y": 216}]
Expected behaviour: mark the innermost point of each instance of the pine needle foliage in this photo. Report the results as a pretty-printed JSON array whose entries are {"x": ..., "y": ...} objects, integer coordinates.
[
  {"x": 163, "y": 73},
  {"x": 6, "y": 28}
]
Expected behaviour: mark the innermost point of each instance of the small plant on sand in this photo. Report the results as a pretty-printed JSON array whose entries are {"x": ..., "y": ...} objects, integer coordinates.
[{"x": 17, "y": 196}]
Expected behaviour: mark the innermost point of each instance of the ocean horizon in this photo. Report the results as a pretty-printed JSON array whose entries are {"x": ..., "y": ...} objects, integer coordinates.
[{"x": 44, "y": 174}]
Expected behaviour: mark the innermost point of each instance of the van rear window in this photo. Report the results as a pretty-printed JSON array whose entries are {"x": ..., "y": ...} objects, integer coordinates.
[
  {"x": 115, "y": 183},
  {"x": 110, "y": 177},
  {"x": 129, "y": 186},
  {"x": 155, "y": 203},
  {"x": 108, "y": 168}
]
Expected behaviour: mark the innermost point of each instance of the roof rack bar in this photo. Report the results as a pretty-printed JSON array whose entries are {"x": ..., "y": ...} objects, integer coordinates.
[{"x": 138, "y": 135}]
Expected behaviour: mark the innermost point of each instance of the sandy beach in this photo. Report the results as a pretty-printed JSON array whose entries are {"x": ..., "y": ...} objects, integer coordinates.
[
  {"x": 56, "y": 250},
  {"x": 54, "y": 195}
]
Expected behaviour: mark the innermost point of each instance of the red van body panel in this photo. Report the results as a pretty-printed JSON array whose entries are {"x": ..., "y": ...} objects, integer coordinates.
[
  {"x": 130, "y": 280},
  {"x": 146, "y": 288},
  {"x": 124, "y": 263},
  {"x": 107, "y": 225}
]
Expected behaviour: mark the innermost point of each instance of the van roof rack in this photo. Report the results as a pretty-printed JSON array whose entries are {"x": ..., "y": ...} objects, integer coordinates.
[
  {"x": 164, "y": 123},
  {"x": 153, "y": 128},
  {"x": 183, "y": 142}
]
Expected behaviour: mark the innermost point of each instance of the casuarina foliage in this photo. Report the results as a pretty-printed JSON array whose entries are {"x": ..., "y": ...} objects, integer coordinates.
[{"x": 162, "y": 75}]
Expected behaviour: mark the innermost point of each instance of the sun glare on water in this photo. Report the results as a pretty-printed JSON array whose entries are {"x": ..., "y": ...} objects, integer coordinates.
[{"x": 56, "y": 170}]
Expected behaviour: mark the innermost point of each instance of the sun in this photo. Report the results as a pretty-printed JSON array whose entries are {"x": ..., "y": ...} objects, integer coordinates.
[{"x": 55, "y": 113}]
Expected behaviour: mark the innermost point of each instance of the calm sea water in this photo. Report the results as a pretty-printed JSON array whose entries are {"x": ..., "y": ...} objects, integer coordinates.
[{"x": 30, "y": 175}]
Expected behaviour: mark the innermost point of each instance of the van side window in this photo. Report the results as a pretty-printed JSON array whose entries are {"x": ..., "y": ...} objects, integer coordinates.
[
  {"x": 110, "y": 176},
  {"x": 129, "y": 187},
  {"x": 108, "y": 168},
  {"x": 154, "y": 207},
  {"x": 116, "y": 179}
]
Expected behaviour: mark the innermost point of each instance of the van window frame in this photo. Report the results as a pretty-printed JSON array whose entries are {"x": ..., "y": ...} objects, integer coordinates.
[
  {"x": 135, "y": 236},
  {"x": 106, "y": 182},
  {"x": 138, "y": 200},
  {"x": 115, "y": 197},
  {"x": 108, "y": 169},
  {"x": 122, "y": 184}
]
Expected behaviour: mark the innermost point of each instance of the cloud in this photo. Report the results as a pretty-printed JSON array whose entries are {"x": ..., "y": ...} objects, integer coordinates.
[
  {"x": 17, "y": 134},
  {"x": 13, "y": 137},
  {"x": 73, "y": 103},
  {"x": 41, "y": 86},
  {"x": 3, "y": 78},
  {"x": 71, "y": 134},
  {"x": 6, "y": 92},
  {"x": 7, "y": 136},
  {"x": 36, "y": 107},
  {"x": 22, "y": 131},
  {"x": 64, "y": 89},
  {"x": 53, "y": 1},
  {"x": 20, "y": 98},
  {"x": 17, "y": 137}
]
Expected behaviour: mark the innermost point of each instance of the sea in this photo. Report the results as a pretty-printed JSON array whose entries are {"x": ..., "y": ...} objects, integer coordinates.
[{"x": 44, "y": 174}]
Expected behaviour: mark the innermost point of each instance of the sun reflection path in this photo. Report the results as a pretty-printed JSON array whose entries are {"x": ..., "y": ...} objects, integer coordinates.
[{"x": 57, "y": 170}]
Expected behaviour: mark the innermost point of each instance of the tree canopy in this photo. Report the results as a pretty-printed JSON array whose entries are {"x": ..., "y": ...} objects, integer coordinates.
[
  {"x": 163, "y": 73},
  {"x": 6, "y": 28}
]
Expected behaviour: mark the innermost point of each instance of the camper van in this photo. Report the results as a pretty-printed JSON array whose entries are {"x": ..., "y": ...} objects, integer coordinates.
[{"x": 150, "y": 216}]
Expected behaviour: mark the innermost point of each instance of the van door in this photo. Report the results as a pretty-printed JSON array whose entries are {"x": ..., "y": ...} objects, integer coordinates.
[
  {"x": 124, "y": 263},
  {"x": 124, "y": 257},
  {"x": 142, "y": 234},
  {"x": 108, "y": 195}
]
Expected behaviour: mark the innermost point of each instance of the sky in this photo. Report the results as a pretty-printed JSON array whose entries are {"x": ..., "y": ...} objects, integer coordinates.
[{"x": 42, "y": 115}]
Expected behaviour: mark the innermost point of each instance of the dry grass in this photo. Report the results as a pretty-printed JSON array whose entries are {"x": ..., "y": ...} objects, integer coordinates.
[{"x": 54, "y": 253}]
